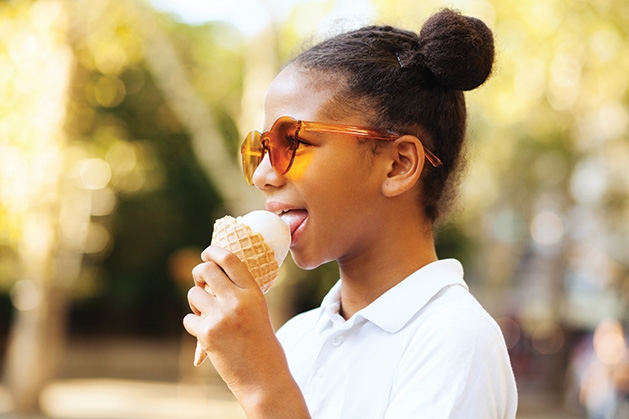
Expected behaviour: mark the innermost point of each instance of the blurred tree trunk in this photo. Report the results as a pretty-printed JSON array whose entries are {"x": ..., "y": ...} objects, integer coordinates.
[
  {"x": 35, "y": 346},
  {"x": 192, "y": 111},
  {"x": 38, "y": 333},
  {"x": 46, "y": 267},
  {"x": 195, "y": 115}
]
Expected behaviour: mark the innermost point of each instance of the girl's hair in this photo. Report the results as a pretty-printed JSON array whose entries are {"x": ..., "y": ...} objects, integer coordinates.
[{"x": 412, "y": 83}]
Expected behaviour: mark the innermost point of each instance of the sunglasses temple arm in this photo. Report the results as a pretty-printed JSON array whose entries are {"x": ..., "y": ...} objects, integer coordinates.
[{"x": 434, "y": 160}]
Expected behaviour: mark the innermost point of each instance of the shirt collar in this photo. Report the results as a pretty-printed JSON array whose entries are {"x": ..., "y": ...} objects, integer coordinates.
[{"x": 393, "y": 309}]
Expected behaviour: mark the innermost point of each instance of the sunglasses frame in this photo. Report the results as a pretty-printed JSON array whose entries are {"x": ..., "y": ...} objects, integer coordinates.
[{"x": 264, "y": 139}]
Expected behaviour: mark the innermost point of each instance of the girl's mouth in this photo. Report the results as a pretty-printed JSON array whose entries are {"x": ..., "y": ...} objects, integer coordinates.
[{"x": 295, "y": 219}]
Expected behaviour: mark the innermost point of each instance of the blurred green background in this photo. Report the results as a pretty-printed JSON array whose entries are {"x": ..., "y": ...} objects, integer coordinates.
[{"x": 120, "y": 123}]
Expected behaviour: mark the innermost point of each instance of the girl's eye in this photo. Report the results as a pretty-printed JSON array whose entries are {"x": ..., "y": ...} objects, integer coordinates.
[
  {"x": 298, "y": 143},
  {"x": 292, "y": 141},
  {"x": 301, "y": 144}
]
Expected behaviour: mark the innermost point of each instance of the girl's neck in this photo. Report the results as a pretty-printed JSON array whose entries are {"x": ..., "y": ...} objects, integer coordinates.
[{"x": 366, "y": 277}]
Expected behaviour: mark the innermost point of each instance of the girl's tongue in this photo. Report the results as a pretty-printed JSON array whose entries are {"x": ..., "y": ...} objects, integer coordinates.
[{"x": 294, "y": 219}]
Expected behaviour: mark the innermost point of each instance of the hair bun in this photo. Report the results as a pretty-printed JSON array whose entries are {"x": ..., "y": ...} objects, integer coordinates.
[{"x": 458, "y": 50}]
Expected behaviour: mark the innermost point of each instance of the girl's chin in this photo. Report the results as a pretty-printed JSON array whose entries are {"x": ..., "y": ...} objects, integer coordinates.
[{"x": 303, "y": 261}]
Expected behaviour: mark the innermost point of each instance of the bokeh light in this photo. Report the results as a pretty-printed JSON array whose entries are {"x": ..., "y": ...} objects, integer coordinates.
[
  {"x": 26, "y": 295},
  {"x": 548, "y": 338},
  {"x": 511, "y": 331},
  {"x": 547, "y": 228},
  {"x": 94, "y": 173},
  {"x": 609, "y": 342}
]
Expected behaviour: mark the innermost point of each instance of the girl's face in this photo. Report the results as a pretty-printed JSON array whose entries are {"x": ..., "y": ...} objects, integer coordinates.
[{"x": 331, "y": 197}]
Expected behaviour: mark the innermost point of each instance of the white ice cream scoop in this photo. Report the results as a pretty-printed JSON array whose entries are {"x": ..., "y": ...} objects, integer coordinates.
[{"x": 276, "y": 232}]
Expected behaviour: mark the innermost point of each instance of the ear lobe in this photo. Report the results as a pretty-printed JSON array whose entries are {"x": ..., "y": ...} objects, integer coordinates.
[{"x": 406, "y": 161}]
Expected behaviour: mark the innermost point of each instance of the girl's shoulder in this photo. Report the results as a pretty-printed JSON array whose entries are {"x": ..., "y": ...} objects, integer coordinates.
[{"x": 454, "y": 318}]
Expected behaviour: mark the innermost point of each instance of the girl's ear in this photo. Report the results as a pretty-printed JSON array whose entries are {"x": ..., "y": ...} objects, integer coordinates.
[{"x": 405, "y": 160}]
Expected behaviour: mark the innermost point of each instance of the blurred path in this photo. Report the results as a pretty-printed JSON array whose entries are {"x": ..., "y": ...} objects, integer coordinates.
[
  {"x": 132, "y": 379},
  {"x": 145, "y": 379},
  {"x": 130, "y": 399}
]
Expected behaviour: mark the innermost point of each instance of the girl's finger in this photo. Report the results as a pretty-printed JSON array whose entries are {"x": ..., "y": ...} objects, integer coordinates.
[
  {"x": 200, "y": 301},
  {"x": 193, "y": 324},
  {"x": 232, "y": 268},
  {"x": 211, "y": 277}
]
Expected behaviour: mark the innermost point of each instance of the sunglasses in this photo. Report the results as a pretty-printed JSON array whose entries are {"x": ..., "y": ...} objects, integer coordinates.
[{"x": 282, "y": 142}]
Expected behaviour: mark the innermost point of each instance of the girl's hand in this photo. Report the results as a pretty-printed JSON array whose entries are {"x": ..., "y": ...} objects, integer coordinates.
[
  {"x": 232, "y": 322},
  {"x": 234, "y": 328}
]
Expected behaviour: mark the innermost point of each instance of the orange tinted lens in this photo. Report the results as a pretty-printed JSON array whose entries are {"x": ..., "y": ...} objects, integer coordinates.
[
  {"x": 281, "y": 158},
  {"x": 252, "y": 153},
  {"x": 282, "y": 144}
]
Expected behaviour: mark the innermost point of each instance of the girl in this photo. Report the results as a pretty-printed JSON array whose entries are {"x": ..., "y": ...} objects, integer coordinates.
[{"x": 363, "y": 148}]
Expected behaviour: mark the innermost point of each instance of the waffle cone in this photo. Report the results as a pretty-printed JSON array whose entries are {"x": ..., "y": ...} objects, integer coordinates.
[{"x": 251, "y": 249}]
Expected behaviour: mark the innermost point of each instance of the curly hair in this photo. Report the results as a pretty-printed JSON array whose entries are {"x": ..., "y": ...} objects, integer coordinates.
[{"x": 413, "y": 83}]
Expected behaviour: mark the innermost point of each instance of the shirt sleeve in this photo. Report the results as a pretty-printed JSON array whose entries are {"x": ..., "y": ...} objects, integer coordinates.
[{"x": 456, "y": 367}]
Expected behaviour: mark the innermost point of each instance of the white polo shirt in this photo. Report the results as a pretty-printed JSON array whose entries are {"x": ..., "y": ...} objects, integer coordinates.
[{"x": 424, "y": 349}]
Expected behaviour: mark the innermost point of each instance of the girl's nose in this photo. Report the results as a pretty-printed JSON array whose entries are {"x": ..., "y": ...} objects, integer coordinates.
[{"x": 265, "y": 176}]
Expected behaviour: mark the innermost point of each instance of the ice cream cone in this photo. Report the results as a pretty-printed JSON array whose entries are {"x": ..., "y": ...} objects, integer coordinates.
[{"x": 252, "y": 249}]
